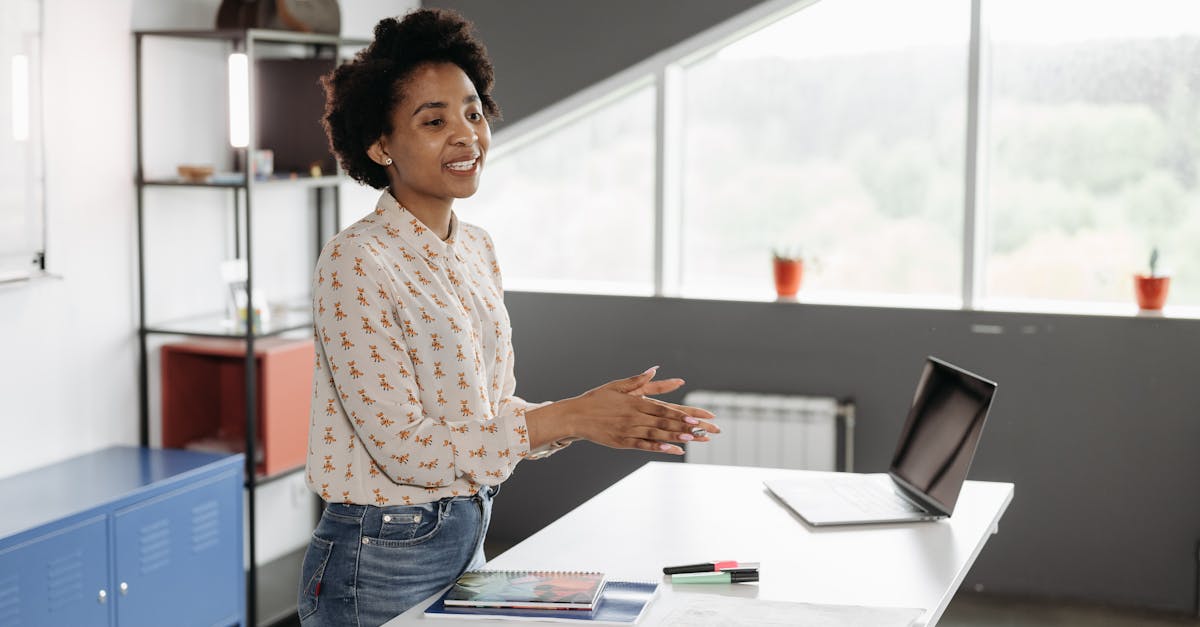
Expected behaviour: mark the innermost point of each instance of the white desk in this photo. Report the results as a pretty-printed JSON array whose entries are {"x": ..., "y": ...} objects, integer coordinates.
[{"x": 668, "y": 513}]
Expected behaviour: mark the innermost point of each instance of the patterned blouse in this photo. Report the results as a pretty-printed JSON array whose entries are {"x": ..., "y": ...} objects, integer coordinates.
[{"x": 413, "y": 393}]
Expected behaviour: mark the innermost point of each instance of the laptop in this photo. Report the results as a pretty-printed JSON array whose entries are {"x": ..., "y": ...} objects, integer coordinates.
[{"x": 935, "y": 450}]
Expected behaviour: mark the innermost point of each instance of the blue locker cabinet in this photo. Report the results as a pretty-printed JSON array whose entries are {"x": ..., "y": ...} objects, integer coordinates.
[{"x": 124, "y": 537}]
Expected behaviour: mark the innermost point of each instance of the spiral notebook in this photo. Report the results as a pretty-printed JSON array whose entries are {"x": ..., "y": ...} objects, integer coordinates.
[
  {"x": 527, "y": 589},
  {"x": 620, "y": 603}
]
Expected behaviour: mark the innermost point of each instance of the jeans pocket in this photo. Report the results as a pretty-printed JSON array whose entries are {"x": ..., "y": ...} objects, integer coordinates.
[
  {"x": 311, "y": 572},
  {"x": 411, "y": 525},
  {"x": 408, "y": 522}
]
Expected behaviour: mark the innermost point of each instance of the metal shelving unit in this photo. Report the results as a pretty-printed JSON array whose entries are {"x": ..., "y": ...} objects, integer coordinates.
[{"x": 292, "y": 318}]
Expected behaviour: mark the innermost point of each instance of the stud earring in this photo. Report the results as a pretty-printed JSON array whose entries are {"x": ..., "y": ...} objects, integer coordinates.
[{"x": 388, "y": 162}]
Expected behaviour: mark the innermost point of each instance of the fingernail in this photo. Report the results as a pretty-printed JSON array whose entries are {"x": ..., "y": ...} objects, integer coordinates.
[
  {"x": 690, "y": 420},
  {"x": 665, "y": 447},
  {"x": 650, "y": 369},
  {"x": 686, "y": 437}
]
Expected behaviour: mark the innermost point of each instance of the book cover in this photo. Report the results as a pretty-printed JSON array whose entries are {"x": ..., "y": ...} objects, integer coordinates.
[
  {"x": 620, "y": 603},
  {"x": 526, "y": 589}
]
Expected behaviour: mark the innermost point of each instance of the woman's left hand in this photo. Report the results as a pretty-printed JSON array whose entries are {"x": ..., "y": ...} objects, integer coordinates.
[
  {"x": 664, "y": 386},
  {"x": 652, "y": 387}
]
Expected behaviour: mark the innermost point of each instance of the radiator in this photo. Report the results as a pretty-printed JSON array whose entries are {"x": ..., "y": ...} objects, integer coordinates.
[{"x": 775, "y": 431}]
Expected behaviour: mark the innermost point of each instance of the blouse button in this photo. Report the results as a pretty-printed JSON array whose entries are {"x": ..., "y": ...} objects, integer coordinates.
[{"x": 387, "y": 518}]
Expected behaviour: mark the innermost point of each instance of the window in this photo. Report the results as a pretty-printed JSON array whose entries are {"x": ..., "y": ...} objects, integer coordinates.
[
  {"x": 839, "y": 135},
  {"x": 21, "y": 232},
  {"x": 841, "y": 128},
  {"x": 1093, "y": 148},
  {"x": 573, "y": 209}
]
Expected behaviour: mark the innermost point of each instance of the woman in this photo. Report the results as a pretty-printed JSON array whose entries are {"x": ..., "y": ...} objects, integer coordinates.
[{"x": 414, "y": 419}]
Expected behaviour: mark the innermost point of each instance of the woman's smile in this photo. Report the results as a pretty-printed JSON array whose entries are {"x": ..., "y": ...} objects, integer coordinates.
[{"x": 469, "y": 165}]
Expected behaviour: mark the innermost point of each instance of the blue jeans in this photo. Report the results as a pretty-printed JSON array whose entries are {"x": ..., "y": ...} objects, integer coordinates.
[{"x": 366, "y": 564}]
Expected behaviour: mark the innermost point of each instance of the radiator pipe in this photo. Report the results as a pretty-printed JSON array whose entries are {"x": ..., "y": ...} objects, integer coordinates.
[{"x": 846, "y": 412}]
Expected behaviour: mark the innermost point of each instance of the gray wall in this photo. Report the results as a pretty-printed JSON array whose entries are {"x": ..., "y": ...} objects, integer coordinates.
[
  {"x": 1095, "y": 419},
  {"x": 546, "y": 50}
]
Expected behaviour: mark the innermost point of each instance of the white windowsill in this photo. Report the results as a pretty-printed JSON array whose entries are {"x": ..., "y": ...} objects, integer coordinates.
[
  {"x": 12, "y": 279},
  {"x": 1084, "y": 308}
]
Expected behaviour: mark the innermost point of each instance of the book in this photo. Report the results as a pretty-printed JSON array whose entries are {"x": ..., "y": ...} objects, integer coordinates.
[
  {"x": 532, "y": 589},
  {"x": 620, "y": 603}
]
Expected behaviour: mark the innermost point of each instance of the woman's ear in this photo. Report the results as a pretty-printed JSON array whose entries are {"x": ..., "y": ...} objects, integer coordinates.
[{"x": 378, "y": 153}]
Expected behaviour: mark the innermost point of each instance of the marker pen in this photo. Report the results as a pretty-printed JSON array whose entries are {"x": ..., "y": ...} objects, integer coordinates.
[
  {"x": 708, "y": 567},
  {"x": 725, "y": 576}
]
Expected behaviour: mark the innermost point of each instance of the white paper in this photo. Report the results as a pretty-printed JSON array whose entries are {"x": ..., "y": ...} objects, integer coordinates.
[{"x": 720, "y": 611}]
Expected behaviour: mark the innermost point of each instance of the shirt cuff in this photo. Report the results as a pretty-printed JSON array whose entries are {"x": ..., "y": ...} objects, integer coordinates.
[{"x": 550, "y": 448}]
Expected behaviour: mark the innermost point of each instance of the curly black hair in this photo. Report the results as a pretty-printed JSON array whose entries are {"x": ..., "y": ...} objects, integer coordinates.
[{"x": 360, "y": 95}]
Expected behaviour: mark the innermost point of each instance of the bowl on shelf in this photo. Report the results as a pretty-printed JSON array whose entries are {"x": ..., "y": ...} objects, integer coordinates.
[{"x": 195, "y": 173}]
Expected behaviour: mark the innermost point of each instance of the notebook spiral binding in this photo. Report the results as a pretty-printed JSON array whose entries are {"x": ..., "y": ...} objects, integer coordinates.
[{"x": 541, "y": 572}]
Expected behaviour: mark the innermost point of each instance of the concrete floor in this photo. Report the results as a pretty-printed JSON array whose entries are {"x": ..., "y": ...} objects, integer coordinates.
[{"x": 980, "y": 610}]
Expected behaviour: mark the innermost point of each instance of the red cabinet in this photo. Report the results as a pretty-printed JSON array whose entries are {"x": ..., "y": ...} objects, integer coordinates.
[{"x": 204, "y": 398}]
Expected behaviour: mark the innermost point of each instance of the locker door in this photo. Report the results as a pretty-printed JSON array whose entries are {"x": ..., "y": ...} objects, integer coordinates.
[
  {"x": 60, "y": 578},
  {"x": 179, "y": 557}
]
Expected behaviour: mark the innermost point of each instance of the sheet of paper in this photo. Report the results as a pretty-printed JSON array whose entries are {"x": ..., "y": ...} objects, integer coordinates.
[{"x": 720, "y": 611}]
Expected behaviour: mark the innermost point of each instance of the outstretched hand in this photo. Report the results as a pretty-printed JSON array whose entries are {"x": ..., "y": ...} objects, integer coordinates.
[
  {"x": 653, "y": 388},
  {"x": 618, "y": 415}
]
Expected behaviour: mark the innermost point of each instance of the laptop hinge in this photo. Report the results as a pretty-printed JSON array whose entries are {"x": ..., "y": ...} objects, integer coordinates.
[{"x": 916, "y": 497}]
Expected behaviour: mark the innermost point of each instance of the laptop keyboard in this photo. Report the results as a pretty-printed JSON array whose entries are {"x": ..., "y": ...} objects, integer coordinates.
[{"x": 872, "y": 498}]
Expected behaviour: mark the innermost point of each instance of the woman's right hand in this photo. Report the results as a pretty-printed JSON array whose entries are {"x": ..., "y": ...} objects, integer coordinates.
[{"x": 616, "y": 415}]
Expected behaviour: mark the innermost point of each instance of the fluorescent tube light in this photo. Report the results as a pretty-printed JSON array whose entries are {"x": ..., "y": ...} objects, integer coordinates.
[
  {"x": 239, "y": 100},
  {"x": 20, "y": 97}
]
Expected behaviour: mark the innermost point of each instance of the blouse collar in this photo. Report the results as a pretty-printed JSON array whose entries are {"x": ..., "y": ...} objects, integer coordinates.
[{"x": 423, "y": 240}]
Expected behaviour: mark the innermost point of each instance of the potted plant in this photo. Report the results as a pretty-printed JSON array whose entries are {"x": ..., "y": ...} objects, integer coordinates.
[
  {"x": 789, "y": 271},
  {"x": 1152, "y": 288}
]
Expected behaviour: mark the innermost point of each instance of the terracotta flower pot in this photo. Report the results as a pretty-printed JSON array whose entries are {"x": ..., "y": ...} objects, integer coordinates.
[
  {"x": 788, "y": 273},
  {"x": 1151, "y": 291}
]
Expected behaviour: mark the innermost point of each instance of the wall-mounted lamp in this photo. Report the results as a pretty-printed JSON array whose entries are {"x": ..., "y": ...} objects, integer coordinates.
[
  {"x": 20, "y": 97},
  {"x": 239, "y": 100}
]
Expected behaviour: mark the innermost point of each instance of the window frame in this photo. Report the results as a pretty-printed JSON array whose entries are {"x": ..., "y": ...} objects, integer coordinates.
[{"x": 664, "y": 71}]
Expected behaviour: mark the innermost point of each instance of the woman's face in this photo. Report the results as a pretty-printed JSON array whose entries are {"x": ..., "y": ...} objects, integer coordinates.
[{"x": 439, "y": 140}]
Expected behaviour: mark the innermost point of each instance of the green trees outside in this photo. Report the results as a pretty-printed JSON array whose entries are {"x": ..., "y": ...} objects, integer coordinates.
[
  {"x": 856, "y": 159},
  {"x": 1091, "y": 154},
  {"x": 1091, "y": 159},
  {"x": 1094, "y": 160}
]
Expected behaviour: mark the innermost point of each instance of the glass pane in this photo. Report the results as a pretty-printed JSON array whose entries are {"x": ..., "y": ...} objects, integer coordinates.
[
  {"x": 1094, "y": 148},
  {"x": 21, "y": 176},
  {"x": 573, "y": 209},
  {"x": 837, "y": 135}
]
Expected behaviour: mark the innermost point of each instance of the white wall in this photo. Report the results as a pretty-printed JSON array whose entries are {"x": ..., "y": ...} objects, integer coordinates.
[{"x": 69, "y": 372}]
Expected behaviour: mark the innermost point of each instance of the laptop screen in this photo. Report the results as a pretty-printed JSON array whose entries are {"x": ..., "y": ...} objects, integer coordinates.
[{"x": 942, "y": 432}]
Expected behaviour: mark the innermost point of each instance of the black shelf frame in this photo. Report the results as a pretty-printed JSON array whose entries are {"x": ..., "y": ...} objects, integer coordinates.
[
  {"x": 299, "y": 317},
  {"x": 299, "y": 181},
  {"x": 246, "y": 41}
]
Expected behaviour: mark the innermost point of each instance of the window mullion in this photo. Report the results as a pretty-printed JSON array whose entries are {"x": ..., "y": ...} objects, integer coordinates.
[
  {"x": 668, "y": 180},
  {"x": 974, "y": 255}
]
